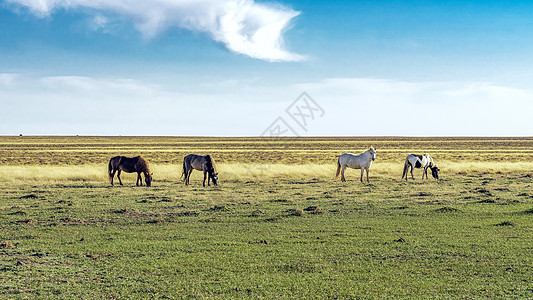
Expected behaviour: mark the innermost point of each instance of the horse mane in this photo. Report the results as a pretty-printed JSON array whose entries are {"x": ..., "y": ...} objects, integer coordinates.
[
  {"x": 432, "y": 163},
  {"x": 210, "y": 163},
  {"x": 142, "y": 164}
]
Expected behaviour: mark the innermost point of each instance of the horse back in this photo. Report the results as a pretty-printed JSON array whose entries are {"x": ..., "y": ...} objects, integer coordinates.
[
  {"x": 353, "y": 161},
  {"x": 129, "y": 164},
  {"x": 195, "y": 161},
  {"x": 114, "y": 162},
  {"x": 417, "y": 161}
]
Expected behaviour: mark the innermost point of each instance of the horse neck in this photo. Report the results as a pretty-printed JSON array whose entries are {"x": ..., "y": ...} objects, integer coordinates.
[
  {"x": 143, "y": 167},
  {"x": 364, "y": 157},
  {"x": 430, "y": 161},
  {"x": 209, "y": 164},
  {"x": 369, "y": 155}
]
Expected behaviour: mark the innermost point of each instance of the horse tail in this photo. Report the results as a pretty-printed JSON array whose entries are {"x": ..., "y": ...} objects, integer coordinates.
[
  {"x": 338, "y": 167},
  {"x": 184, "y": 170},
  {"x": 405, "y": 167},
  {"x": 110, "y": 169}
]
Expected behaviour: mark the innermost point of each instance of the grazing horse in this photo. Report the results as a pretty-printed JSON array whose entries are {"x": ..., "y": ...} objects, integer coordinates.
[
  {"x": 135, "y": 164},
  {"x": 420, "y": 161},
  {"x": 362, "y": 161},
  {"x": 200, "y": 163}
]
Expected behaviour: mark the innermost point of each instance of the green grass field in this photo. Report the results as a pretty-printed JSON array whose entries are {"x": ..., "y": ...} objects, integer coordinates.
[{"x": 279, "y": 225}]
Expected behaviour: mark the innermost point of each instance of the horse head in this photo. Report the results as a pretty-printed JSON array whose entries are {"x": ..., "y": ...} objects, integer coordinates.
[
  {"x": 214, "y": 177},
  {"x": 435, "y": 171},
  {"x": 148, "y": 178},
  {"x": 372, "y": 152}
]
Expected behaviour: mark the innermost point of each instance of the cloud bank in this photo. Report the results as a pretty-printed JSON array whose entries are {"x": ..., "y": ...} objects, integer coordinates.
[
  {"x": 353, "y": 106},
  {"x": 243, "y": 26},
  {"x": 370, "y": 106}
]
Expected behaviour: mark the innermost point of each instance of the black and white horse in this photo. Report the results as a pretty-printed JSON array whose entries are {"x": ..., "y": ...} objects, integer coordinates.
[{"x": 420, "y": 161}]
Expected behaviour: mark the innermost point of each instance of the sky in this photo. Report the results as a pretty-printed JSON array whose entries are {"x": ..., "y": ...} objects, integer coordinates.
[{"x": 265, "y": 68}]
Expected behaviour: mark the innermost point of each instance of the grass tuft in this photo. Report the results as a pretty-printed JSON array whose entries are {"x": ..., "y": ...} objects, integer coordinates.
[
  {"x": 487, "y": 201},
  {"x": 7, "y": 245},
  {"x": 219, "y": 208},
  {"x": 256, "y": 213},
  {"x": 529, "y": 211},
  {"x": 314, "y": 209},
  {"x": 297, "y": 212},
  {"x": 447, "y": 209},
  {"x": 506, "y": 223}
]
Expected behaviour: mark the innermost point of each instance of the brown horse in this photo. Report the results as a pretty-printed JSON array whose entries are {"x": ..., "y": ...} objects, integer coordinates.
[
  {"x": 130, "y": 165},
  {"x": 200, "y": 163}
]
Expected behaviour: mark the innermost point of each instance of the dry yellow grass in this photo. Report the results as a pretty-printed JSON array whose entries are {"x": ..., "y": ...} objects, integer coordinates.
[
  {"x": 38, "y": 173},
  {"x": 244, "y": 172},
  {"x": 60, "y": 159}
]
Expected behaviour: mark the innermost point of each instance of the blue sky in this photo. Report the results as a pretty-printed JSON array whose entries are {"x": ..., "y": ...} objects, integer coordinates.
[{"x": 232, "y": 68}]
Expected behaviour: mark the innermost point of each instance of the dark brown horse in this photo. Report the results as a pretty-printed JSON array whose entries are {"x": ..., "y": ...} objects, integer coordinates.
[
  {"x": 200, "y": 163},
  {"x": 135, "y": 164}
]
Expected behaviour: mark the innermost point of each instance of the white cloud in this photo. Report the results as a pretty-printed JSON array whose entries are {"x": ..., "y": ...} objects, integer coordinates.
[
  {"x": 6, "y": 79},
  {"x": 99, "y": 22},
  {"x": 243, "y": 26}
]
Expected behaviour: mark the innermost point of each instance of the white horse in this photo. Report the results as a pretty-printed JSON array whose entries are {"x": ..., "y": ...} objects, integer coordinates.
[
  {"x": 362, "y": 161},
  {"x": 420, "y": 161}
]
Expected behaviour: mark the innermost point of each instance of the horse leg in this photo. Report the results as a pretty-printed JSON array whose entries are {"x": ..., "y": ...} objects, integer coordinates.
[
  {"x": 208, "y": 177},
  {"x": 425, "y": 172},
  {"x": 362, "y": 172},
  {"x": 367, "y": 180},
  {"x": 139, "y": 179},
  {"x": 205, "y": 174},
  {"x": 113, "y": 176},
  {"x": 412, "y": 176},
  {"x": 343, "y": 179},
  {"x": 118, "y": 176},
  {"x": 188, "y": 176}
]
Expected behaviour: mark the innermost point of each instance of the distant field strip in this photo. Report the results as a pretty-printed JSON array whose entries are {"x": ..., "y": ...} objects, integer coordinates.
[{"x": 55, "y": 150}]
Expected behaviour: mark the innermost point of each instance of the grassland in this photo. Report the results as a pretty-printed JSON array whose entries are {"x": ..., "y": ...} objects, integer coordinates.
[{"x": 278, "y": 226}]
